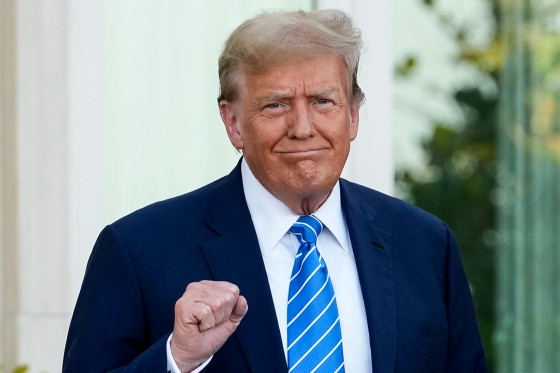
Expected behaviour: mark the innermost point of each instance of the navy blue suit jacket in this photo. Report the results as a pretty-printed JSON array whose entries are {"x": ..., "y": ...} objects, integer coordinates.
[{"x": 418, "y": 303}]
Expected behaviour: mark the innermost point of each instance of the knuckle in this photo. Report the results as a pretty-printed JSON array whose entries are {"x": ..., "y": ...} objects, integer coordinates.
[
  {"x": 214, "y": 303},
  {"x": 229, "y": 298},
  {"x": 204, "y": 312},
  {"x": 180, "y": 304},
  {"x": 233, "y": 289},
  {"x": 192, "y": 286}
]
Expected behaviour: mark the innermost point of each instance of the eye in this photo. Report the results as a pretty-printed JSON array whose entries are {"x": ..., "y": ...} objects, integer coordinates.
[
  {"x": 324, "y": 104},
  {"x": 274, "y": 105},
  {"x": 273, "y": 108},
  {"x": 323, "y": 101}
]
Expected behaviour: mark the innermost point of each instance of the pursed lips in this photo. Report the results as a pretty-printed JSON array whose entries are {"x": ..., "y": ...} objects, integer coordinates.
[{"x": 299, "y": 151}]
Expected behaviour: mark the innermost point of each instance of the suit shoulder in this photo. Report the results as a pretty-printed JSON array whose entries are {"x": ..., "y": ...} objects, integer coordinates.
[
  {"x": 390, "y": 211},
  {"x": 171, "y": 211}
]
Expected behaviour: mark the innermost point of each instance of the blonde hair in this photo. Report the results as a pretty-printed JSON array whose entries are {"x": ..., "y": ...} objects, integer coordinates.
[{"x": 276, "y": 37}]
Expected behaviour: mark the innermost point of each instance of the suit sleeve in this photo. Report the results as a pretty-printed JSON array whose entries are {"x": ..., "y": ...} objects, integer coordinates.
[
  {"x": 107, "y": 332},
  {"x": 465, "y": 352}
]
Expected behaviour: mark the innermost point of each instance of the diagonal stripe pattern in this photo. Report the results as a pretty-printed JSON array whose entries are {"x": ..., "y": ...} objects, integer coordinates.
[{"x": 314, "y": 337}]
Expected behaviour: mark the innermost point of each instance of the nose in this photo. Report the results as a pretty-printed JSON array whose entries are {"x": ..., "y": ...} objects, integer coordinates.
[{"x": 300, "y": 124}]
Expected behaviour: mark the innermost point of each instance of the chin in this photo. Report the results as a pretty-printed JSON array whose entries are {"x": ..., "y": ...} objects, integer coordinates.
[{"x": 309, "y": 187}]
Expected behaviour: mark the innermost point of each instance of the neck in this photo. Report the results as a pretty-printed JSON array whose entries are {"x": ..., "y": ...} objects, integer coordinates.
[{"x": 305, "y": 206}]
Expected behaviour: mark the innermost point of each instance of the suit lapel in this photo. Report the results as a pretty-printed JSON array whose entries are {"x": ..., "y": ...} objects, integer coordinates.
[
  {"x": 372, "y": 250},
  {"x": 234, "y": 256}
]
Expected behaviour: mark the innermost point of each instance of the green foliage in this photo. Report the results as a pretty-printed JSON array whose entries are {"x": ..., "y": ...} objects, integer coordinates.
[
  {"x": 458, "y": 186},
  {"x": 406, "y": 67},
  {"x": 459, "y": 181},
  {"x": 18, "y": 369}
]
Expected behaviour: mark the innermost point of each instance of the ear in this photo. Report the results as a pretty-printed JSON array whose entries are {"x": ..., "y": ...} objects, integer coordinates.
[
  {"x": 354, "y": 120},
  {"x": 228, "y": 112}
]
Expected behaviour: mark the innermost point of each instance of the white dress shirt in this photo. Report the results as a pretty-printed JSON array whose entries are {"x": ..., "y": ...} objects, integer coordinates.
[{"x": 272, "y": 220}]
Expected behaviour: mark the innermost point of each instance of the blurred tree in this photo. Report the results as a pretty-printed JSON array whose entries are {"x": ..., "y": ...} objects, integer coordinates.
[
  {"x": 459, "y": 181},
  {"x": 528, "y": 296},
  {"x": 493, "y": 176}
]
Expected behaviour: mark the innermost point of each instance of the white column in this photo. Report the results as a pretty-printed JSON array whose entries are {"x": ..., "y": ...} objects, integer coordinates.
[
  {"x": 371, "y": 158},
  {"x": 8, "y": 186},
  {"x": 43, "y": 170},
  {"x": 85, "y": 133},
  {"x": 59, "y": 159}
]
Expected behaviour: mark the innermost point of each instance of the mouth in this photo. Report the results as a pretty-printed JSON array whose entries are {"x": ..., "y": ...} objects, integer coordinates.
[{"x": 301, "y": 151}]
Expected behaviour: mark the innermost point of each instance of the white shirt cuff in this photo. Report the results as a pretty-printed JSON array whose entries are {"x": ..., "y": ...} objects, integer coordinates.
[{"x": 172, "y": 365}]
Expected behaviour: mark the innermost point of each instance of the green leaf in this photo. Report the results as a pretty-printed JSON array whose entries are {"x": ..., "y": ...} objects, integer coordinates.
[{"x": 406, "y": 67}]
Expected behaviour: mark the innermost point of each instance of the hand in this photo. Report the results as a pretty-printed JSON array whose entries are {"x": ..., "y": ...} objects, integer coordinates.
[{"x": 205, "y": 316}]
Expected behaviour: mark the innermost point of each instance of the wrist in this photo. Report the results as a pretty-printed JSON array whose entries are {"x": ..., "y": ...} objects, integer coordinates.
[{"x": 185, "y": 363}]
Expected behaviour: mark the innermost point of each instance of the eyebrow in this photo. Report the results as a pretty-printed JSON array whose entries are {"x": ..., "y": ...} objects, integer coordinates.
[
  {"x": 272, "y": 97},
  {"x": 280, "y": 95},
  {"x": 325, "y": 92},
  {"x": 276, "y": 95}
]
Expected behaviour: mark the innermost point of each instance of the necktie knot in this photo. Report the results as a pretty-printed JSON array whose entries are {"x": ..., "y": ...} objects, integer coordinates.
[{"x": 307, "y": 228}]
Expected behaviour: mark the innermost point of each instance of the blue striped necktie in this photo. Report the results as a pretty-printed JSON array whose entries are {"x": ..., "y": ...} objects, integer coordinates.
[{"x": 314, "y": 337}]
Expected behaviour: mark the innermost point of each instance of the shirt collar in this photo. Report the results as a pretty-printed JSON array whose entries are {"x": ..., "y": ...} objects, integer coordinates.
[{"x": 272, "y": 218}]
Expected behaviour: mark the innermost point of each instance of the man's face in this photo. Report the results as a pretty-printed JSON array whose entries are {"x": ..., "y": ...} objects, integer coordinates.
[{"x": 294, "y": 123}]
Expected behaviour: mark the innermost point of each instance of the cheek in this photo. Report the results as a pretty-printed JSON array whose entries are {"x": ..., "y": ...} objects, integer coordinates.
[
  {"x": 339, "y": 135},
  {"x": 265, "y": 136},
  {"x": 259, "y": 147}
]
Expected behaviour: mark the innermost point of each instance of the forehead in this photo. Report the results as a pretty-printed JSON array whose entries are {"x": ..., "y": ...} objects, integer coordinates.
[{"x": 321, "y": 73}]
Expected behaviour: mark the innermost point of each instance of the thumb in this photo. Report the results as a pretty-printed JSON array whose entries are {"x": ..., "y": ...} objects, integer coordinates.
[{"x": 239, "y": 311}]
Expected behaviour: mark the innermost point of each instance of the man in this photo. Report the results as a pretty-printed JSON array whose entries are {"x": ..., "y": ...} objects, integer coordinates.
[{"x": 213, "y": 280}]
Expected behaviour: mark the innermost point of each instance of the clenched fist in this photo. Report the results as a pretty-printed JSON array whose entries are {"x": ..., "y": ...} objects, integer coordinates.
[{"x": 205, "y": 316}]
